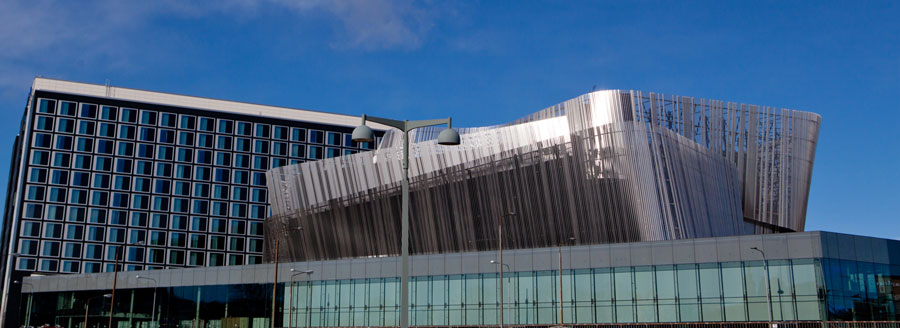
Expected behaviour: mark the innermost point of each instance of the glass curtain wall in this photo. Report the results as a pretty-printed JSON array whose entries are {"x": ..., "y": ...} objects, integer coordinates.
[{"x": 800, "y": 289}]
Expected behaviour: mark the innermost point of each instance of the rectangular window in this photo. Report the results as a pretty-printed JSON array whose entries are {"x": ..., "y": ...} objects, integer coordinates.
[
  {"x": 163, "y": 170},
  {"x": 220, "y": 192},
  {"x": 242, "y": 161},
  {"x": 226, "y": 127},
  {"x": 223, "y": 143},
  {"x": 280, "y": 133},
  {"x": 86, "y": 128},
  {"x": 187, "y": 122},
  {"x": 42, "y": 140},
  {"x": 316, "y": 136},
  {"x": 279, "y": 149},
  {"x": 167, "y": 120},
  {"x": 143, "y": 168},
  {"x": 179, "y": 222},
  {"x": 148, "y": 117},
  {"x": 65, "y": 125},
  {"x": 93, "y": 252},
  {"x": 125, "y": 149},
  {"x": 46, "y": 106},
  {"x": 145, "y": 151},
  {"x": 260, "y": 163},
  {"x": 315, "y": 152},
  {"x": 176, "y": 257},
  {"x": 129, "y": 115},
  {"x": 185, "y": 138},
  {"x": 333, "y": 139},
  {"x": 243, "y": 128},
  {"x": 81, "y": 179},
  {"x": 261, "y": 147},
  {"x": 242, "y": 144},
  {"x": 298, "y": 135},
  {"x": 107, "y": 130},
  {"x": 241, "y": 177},
  {"x": 104, "y": 146},
  {"x": 67, "y": 108},
  {"x": 158, "y": 220},
  {"x": 165, "y": 153},
  {"x": 44, "y": 123},
  {"x": 127, "y": 132},
  {"x": 348, "y": 141},
  {"x": 84, "y": 145},
  {"x": 204, "y": 157},
  {"x": 82, "y": 162},
  {"x": 223, "y": 159},
  {"x": 95, "y": 233},
  {"x": 207, "y": 124},
  {"x": 103, "y": 164},
  {"x": 63, "y": 143},
  {"x": 204, "y": 140},
  {"x": 99, "y": 198},
  {"x": 332, "y": 152},
  {"x": 108, "y": 113},
  {"x": 147, "y": 134},
  {"x": 62, "y": 160},
  {"x": 88, "y": 111},
  {"x": 166, "y": 136},
  {"x": 97, "y": 216}
]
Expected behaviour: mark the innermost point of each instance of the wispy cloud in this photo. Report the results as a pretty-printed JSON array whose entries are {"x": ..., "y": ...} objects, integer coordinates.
[{"x": 37, "y": 34}]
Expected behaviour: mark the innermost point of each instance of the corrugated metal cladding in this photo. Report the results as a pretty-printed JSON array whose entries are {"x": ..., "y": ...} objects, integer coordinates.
[{"x": 606, "y": 167}]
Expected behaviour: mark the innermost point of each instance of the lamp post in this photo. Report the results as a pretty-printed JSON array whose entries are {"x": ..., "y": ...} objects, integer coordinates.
[
  {"x": 275, "y": 277},
  {"x": 87, "y": 303},
  {"x": 27, "y": 307},
  {"x": 291, "y": 298},
  {"x": 559, "y": 254},
  {"x": 112, "y": 297},
  {"x": 448, "y": 137},
  {"x": 153, "y": 310},
  {"x": 500, "y": 266},
  {"x": 768, "y": 286}
]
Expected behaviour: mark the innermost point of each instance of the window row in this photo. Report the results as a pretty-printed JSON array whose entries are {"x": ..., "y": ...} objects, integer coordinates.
[
  {"x": 162, "y": 152},
  {"x": 156, "y": 259},
  {"x": 150, "y": 118},
  {"x": 141, "y": 220},
  {"x": 114, "y": 216},
  {"x": 156, "y": 169},
  {"x": 51, "y": 248},
  {"x": 139, "y": 184}
]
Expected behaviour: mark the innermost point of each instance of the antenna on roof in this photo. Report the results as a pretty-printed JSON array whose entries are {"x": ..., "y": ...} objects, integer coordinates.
[
  {"x": 108, "y": 89},
  {"x": 594, "y": 88}
]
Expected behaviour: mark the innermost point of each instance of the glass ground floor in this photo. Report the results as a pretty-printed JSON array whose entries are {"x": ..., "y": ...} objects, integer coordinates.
[{"x": 797, "y": 289}]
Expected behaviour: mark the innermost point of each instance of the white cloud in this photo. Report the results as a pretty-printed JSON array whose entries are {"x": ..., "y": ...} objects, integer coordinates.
[{"x": 41, "y": 35}]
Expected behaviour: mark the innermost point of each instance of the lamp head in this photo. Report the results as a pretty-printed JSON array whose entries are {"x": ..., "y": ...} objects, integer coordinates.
[
  {"x": 493, "y": 262},
  {"x": 107, "y": 295},
  {"x": 363, "y": 133},
  {"x": 448, "y": 137}
]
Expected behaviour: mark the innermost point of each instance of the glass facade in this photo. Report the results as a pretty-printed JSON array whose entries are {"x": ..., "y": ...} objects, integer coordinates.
[
  {"x": 800, "y": 289},
  {"x": 165, "y": 186}
]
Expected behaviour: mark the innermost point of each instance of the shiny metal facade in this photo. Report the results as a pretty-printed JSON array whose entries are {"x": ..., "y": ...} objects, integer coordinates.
[{"x": 606, "y": 167}]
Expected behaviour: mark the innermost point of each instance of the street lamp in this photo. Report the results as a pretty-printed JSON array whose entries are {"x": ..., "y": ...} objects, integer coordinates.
[
  {"x": 87, "y": 303},
  {"x": 291, "y": 298},
  {"x": 275, "y": 273},
  {"x": 28, "y": 307},
  {"x": 153, "y": 310},
  {"x": 768, "y": 286},
  {"x": 559, "y": 254},
  {"x": 112, "y": 297},
  {"x": 447, "y": 137},
  {"x": 500, "y": 266}
]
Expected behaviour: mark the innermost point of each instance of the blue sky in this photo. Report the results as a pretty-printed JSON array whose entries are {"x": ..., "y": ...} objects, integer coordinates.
[{"x": 493, "y": 61}]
